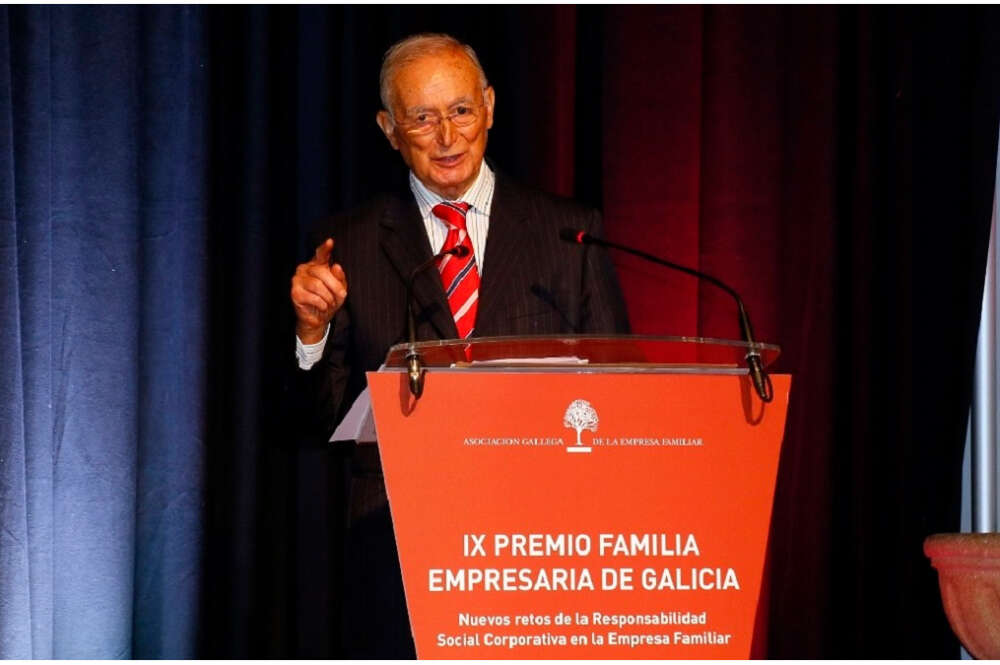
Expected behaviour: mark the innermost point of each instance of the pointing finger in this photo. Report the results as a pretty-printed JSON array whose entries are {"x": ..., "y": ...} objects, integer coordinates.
[{"x": 322, "y": 254}]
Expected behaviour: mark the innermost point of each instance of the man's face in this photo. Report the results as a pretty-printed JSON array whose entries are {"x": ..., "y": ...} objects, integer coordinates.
[{"x": 447, "y": 159}]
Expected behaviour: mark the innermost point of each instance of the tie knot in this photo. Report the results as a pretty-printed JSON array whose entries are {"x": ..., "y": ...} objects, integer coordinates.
[{"x": 452, "y": 213}]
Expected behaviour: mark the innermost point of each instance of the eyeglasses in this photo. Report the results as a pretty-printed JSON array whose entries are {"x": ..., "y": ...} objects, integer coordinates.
[{"x": 427, "y": 122}]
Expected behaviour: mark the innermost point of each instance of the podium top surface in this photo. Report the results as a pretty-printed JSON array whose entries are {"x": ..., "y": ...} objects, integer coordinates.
[{"x": 581, "y": 352}]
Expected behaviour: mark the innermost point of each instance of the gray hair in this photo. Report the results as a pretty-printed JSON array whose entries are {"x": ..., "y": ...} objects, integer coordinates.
[{"x": 415, "y": 47}]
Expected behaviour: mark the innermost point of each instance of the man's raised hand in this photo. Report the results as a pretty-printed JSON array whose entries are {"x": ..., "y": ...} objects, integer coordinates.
[{"x": 318, "y": 291}]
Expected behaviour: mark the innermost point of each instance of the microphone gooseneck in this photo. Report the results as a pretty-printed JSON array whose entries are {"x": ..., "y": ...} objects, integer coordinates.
[
  {"x": 761, "y": 381},
  {"x": 414, "y": 366}
]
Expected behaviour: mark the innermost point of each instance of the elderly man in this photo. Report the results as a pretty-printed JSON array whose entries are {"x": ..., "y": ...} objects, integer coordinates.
[{"x": 519, "y": 278}]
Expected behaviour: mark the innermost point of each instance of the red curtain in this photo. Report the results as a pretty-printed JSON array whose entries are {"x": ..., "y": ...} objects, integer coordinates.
[
  {"x": 834, "y": 165},
  {"x": 718, "y": 154}
]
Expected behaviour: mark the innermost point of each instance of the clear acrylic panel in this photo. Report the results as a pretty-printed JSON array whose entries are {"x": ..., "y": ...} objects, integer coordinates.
[{"x": 586, "y": 351}]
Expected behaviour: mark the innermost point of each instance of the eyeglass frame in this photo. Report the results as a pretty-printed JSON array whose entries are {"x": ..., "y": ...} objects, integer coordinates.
[{"x": 435, "y": 125}]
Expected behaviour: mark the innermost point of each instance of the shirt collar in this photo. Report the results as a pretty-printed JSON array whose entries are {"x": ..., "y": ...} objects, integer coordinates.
[{"x": 479, "y": 196}]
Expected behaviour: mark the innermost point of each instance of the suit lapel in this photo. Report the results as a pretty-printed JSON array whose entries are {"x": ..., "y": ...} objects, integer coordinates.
[
  {"x": 404, "y": 241},
  {"x": 504, "y": 241}
]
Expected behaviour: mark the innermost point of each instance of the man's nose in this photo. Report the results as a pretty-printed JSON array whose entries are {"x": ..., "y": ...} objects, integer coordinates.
[{"x": 446, "y": 132}]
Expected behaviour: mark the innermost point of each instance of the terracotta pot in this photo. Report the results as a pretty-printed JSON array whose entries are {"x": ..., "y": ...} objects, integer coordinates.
[{"x": 968, "y": 566}]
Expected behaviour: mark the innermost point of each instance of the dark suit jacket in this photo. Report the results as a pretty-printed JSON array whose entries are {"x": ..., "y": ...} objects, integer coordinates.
[{"x": 532, "y": 283}]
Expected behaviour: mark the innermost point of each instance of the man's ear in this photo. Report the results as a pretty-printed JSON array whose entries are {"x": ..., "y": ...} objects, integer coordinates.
[
  {"x": 388, "y": 128},
  {"x": 489, "y": 100}
]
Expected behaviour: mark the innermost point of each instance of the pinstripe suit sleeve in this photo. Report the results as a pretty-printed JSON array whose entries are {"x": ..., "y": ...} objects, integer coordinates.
[{"x": 318, "y": 394}]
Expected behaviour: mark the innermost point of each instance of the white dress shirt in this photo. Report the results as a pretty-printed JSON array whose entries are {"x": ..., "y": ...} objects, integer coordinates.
[{"x": 477, "y": 222}]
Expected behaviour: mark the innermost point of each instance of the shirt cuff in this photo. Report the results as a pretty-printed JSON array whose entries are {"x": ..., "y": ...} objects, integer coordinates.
[{"x": 309, "y": 354}]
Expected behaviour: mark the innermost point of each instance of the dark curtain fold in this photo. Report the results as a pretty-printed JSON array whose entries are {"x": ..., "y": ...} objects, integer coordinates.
[{"x": 159, "y": 169}]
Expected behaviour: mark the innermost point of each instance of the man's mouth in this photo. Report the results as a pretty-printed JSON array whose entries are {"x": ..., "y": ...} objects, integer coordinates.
[{"x": 450, "y": 160}]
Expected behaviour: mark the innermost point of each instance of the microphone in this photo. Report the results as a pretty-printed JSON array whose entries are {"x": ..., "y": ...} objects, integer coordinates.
[
  {"x": 414, "y": 367},
  {"x": 761, "y": 381}
]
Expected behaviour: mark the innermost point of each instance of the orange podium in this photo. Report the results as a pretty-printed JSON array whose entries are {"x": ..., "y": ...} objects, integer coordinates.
[{"x": 580, "y": 497}]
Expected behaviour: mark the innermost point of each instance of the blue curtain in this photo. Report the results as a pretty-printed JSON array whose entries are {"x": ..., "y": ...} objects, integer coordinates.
[{"x": 102, "y": 304}]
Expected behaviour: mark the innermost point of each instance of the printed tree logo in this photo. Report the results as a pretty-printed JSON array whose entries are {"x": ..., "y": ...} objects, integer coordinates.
[{"x": 580, "y": 415}]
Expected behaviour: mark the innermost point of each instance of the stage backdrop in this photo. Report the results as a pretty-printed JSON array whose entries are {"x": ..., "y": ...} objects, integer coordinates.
[{"x": 159, "y": 167}]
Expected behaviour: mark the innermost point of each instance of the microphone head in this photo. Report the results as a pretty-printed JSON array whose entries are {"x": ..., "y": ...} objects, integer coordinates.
[
  {"x": 459, "y": 251},
  {"x": 575, "y": 236}
]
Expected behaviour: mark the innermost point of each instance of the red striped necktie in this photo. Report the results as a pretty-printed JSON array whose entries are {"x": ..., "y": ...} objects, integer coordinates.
[{"x": 459, "y": 276}]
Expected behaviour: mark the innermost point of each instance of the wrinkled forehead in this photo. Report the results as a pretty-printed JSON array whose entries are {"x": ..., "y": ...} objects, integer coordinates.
[{"x": 442, "y": 77}]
